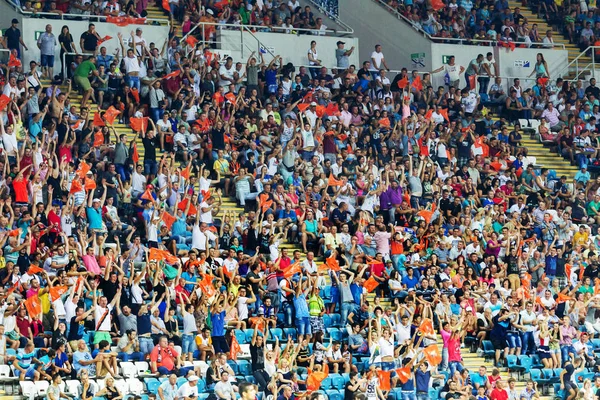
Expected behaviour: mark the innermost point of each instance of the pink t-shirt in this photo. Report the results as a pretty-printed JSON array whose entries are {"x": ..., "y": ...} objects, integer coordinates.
[
  {"x": 383, "y": 242},
  {"x": 91, "y": 264},
  {"x": 454, "y": 349}
]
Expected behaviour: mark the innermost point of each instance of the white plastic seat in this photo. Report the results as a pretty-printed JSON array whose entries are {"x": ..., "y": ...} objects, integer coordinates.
[
  {"x": 122, "y": 385},
  {"x": 245, "y": 351},
  {"x": 72, "y": 387},
  {"x": 5, "y": 373},
  {"x": 143, "y": 369},
  {"x": 28, "y": 389},
  {"x": 135, "y": 386},
  {"x": 128, "y": 369},
  {"x": 41, "y": 387},
  {"x": 101, "y": 384}
]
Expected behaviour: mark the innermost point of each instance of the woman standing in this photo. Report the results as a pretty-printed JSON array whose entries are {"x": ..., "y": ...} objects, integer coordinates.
[
  {"x": 541, "y": 67},
  {"x": 67, "y": 45}
]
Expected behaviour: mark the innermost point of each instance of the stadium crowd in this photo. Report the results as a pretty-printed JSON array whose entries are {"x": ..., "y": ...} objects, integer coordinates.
[{"x": 350, "y": 184}]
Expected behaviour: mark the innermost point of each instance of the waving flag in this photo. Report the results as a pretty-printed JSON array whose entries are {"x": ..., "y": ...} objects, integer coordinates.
[
  {"x": 384, "y": 380},
  {"x": 75, "y": 186},
  {"x": 403, "y": 374},
  {"x": 234, "y": 349},
  {"x": 135, "y": 94},
  {"x": 89, "y": 184},
  {"x": 139, "y": 124},
  {"x": 57, "y": 291},
  {"x": 4, "y": 100},
  {"x": 98, "y": 139},
  {"x": 34, "y": 269},
  {"x": 192, "y": 41},
  {"x": 292, "y": 270},
  {"x": 432, "y": 354},
  {"x": 331, "y": 181},
  {"x": 104, "y": 39},
  {"x": 332, "y": 109},
  {"x": 33, "y": 306},
  {"x": 83, "y": 169},
  {"x": 111, "y": 114},
  {"x": 437, "y": 4},
  {"x": 98, "y": 121},
  {"x": 402, "y": 83},
  {"x": 417, "y": 83},
  {"x": 13, "y": 61},
  {"x": 185, "y": 173},
  {"x": 207, "y": 287},
  {"x": 172, "y": 74},
  {"x": 230, "y": 97},
  {"x": 183, "y": 205},
  {"x": 168, "y": 220},
  {"x": 165, "y": 6},
  {"x": 135, "y": 156},
  {"x": 370, "y": 284},
  {"x": 426, "y": 327}
]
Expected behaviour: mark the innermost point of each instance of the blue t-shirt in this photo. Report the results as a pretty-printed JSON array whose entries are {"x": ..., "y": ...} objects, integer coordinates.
[
  {"x": 25, "y": 360},
  {"x": 301, "y": 306},
  {"x": 218, "y": 323},
  {"x": 422, "y": 379},
  {"x": 410, "y": 283},
  {"x": 94, "y": 217}
]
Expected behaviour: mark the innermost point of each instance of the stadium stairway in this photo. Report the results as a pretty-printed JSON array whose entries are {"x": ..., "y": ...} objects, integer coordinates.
[
  {"x": 573, "y": 49},
  {"x": 545, "y": 158},
  {"x": 158, "y": 12}
]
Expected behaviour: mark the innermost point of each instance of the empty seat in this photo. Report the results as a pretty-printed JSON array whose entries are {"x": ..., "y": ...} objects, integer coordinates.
[
  {"x": 135, "y": 386},
  {"x": 128, "y": 369},
  {"x": 41, "y": 387}
]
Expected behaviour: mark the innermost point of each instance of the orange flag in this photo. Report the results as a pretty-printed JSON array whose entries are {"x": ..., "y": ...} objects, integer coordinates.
[
  {"x": 76, "y": 186},
  {"x": 257, "y": 323},
  {"x": 314, "y": 379},
  {"x": 417, "y": 83},
  {"x": 472, "y": 82},
  {"x": 147, "y": 195},
  {"x": 303, "y": 106},
  {"x": 385, "y": 122},
  {"x": 384, "y": 380},
  {"x": 78, "y": 283},
  {"x": 332, "y": 109},
  {"x": 426, "y": 215},
  {"x": 568, "y": 271},
  {"x": 57, "y": 291},
  {"x": 89, "y": 184},
  {"x": 191, "y": 41},
  {"x": 206, "y": 286},
  {"x": 139, "y": 124},
  {"x": 543, "y": 81},
  {"x": 444, "y": 113},
  {"x": 84, "y": 168},
  {"x": 13, "y": 61},
  {"x": 165, "y": 5},
  {"x": 164, "y": 255},
  {"x": 230, "y": 97},
  {"x": 370, "y": 284},
  {"x": 402, "y": 83},
  {"x": 429, "y": 114},
  {"x": 4, "y": 100},
  {"x": 111, "y": 114},
  {"x": 597, "y": 286},
  {"x": 427, "y": 327},
  {"x": 135, "y": 156},
  {"x": 320, "y": 110},
  {"x": 403, "y": 374},
  {"x": 334, "y": 182},
  {"x": 437, "y": 4},
  {"x": 432, "y": 353},
  {"x": 172, "y": 75},
  {"x": 292, "y": 270},
  {"x": 234, "y": 349},
  {"x": 168, "y": 219},
  {"x": 98, "y": 121},
  {"x": 562, "y": 298},
  {"x": 98, "y": 139},
  {"x": 135, "y": 94},
  {"x": 183, "y": 205},
  {"x": 33, "y": 305},
  {"x": 186, "y": 172},
  {"x": 104, "y": 39},
  {"x": 264, "y": 203},
  {"x": 34, "y": 270},
  {"x": 332, "y": 263}
]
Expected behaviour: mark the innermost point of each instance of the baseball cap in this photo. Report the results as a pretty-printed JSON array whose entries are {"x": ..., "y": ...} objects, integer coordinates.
[
  {"x": 313, "y": 104},
  {"x": 340, "y": 42},
  {"x": 15, "y": 21},
  {"x": 193, "y": 378}
]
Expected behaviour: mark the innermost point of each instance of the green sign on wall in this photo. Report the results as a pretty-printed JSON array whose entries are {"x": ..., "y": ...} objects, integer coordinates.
[{"x": 445, "y": 59}]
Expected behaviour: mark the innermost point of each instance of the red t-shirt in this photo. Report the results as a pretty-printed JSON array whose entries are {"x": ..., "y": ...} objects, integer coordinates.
[
  {"x": 20, "y": 187},
  {"x": 499, "y": 394},
  {"x": 162, "y": 357},
  {"x": 377, "y": 269}
]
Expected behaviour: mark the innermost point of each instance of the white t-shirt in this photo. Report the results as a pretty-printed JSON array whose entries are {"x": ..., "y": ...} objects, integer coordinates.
[
  {"x": 131, "y": 64},
  {"x": 228, "y": 73},
  {"x": 376, "y": 58},
  {"x": 453, "y": 72},
  {"x": 242, "y": 308},
  {"x": 140, "y": 43},
  {"x": 98, "y": 313}
]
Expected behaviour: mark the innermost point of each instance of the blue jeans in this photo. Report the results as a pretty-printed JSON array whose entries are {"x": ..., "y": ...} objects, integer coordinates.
[
  {"x": 528, "y": 343},
  {"x": 122, "y": 171},
  {"x": 514, "y": 341},
  {"x": 455, "y": 366},
  {"x": 156, "y": 113},
  {"x": 133, "y": 82},
  {"x": 288, "y": 311},
  {"x": 347, "y": 308},
  {"x": 135, "y": 356},
  {"x": 146, "y": 345},
  {"x": 565, "y": 350},
  {"x": 409, "y": 395}
]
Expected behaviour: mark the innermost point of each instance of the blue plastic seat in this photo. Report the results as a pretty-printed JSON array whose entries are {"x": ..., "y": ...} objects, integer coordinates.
[
  {"x": 434, "y": 394},
  {"x": 277, "y": 333},
  {"x": 511, "y": 363},
  {"x": 240, "y": 335},
  {"x": 245, "y": 367},
  {"x": 337, "y": 381},
  {"x": 180, "y": 381},
  {"x": 326, "y": 383},
  {"x": 250, "y": 378},
  {"x": 488, "y": 349},
  {"x": 249, "y": 333},
  {"x": 525, "y": 362},
  {"x": 336, "y": 320},
  {"x": 536, "y": 362},
  {"x": 290, "y": 332},
  {"x": 335, "y": 334},
  {"x": 233, "y": 366},
  {"x": 327, "y": 320},
  {"x": 152, "y": 385},
  {"x": 201, "y": 383}
]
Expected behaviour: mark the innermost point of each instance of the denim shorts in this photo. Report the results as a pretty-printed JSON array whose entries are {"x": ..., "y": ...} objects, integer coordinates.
[
  {"x": 303, "y": 326},
  {"x": 188, "y": 344}
]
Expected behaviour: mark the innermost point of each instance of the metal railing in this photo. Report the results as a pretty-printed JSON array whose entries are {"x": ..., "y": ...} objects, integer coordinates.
[
  {"x": 458, "y": 41},
  {"x": 67, "y": 16},
  {"x": 331, "y": 15},
  {"x": 580, "y": 66}
]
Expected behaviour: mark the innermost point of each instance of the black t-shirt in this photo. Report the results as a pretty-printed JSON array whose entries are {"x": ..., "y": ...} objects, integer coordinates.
[
  {"x": 591, "y": 89},
  {"x": 512, "y": 265},
  {"x": 464, "y": 147},
  {"x": 218, "y": 139},
  {"x": 149, "y": 149},
  {"x": 254, "y": 286},
  {"x": 90, "y": 41},
  {"x": 349, "y": 393},
  {"x": 258, "y": 357},
  {"x": 12, "y": 37},
  {"x": 109, "y": 289},
  {"x": 75, "y": 329}
]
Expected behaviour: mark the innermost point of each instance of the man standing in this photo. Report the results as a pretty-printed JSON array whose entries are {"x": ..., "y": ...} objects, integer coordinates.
[
  {"x": 378, "y": 60},
  {"x": 47, "y": 43},
  {"x": 342, "y": 55},
  {"x": 14, "y": 38}
]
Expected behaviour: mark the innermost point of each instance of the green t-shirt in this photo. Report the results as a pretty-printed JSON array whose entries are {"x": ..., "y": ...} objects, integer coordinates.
[
  {"x": 84, "y": 69},
  {"x": 594, "y": 204}
]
